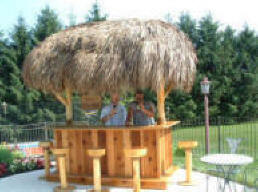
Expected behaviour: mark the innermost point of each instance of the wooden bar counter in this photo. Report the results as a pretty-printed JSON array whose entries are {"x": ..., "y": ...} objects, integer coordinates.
[{"x": 156, "y": 166}]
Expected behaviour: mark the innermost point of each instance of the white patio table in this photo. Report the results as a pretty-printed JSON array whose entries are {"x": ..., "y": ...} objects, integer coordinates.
[{"x": 227, "y": 163}]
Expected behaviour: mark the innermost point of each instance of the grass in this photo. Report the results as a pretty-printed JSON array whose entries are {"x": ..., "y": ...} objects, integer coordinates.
[{"x": 249, "y": 146}]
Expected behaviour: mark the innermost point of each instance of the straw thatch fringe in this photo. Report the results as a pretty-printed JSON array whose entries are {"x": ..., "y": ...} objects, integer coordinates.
[{"x": 112, "y": 56}]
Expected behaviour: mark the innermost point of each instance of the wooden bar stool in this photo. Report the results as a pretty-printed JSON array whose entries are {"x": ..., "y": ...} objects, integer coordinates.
[
  {"x": 46, "y": 147},
  {"x": 62, "y": 155},
  {"x": 96, "y": 154},
  {"x": 188, "y": 146},
  {"x": 136, "y": 154}
]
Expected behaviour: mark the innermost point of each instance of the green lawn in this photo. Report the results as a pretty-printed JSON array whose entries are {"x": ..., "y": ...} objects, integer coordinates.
[{"x": 249, "y": 145}]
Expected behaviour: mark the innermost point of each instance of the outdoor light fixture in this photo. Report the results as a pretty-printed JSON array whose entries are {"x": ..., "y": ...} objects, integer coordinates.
[{"x": 205, "y": 88}]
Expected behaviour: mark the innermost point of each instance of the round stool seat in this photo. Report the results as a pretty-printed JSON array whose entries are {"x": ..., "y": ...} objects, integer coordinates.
[
  {"x": 61, "y": 152},
  {"x": 135, "y": 152},
  {"x": 187, "y": 144},
  {"x": 46, "y": 144},
  {"x": 96, "y": 152}
]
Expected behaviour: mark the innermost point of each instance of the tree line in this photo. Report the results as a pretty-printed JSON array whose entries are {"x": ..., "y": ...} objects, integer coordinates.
[{"x": 227, "y": 57}]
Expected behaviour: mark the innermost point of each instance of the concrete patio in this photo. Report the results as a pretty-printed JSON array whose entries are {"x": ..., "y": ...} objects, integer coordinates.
[{"x": 30, "y": 182}]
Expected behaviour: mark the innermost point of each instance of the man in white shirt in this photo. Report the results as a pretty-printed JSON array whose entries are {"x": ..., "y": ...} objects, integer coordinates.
[{"x": 114, "y": 114}]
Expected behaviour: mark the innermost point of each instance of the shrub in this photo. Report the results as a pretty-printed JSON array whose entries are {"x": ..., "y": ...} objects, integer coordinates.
[
  {"x": 3, "y": 169},
  {"x": 31, "y": 165},
  {"x": 18, "y": 166},
  {"x": 40, "y": 163},
  {"x": 5, "y": 155},
  {"x": 17, "y": 154}
]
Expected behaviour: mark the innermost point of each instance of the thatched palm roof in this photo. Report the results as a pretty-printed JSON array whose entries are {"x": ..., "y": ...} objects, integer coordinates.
[{"x": 112, "y": 55}]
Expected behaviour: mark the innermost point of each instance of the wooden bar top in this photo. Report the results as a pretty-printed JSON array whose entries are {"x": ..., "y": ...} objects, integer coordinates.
[{"x": 167, "y": 125}]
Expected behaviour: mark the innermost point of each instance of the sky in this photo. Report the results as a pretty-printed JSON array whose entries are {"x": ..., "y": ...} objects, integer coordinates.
[{"x": 236, "y": 13}]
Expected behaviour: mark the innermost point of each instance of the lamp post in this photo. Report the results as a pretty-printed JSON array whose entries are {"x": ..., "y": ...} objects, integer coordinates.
[
  {"x": 205, "y": 86},
  {"x": 4, "y": 105}
]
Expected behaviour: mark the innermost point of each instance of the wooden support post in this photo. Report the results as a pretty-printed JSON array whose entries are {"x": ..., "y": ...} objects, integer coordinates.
[
  {"x": 161, "y": 104},
  {"x": 61, "y": 156},
  {"x": 188, "y": 165},
  {"x": 136, "y": 175},
  {"x": 62, "y": 172},
  {"x": 47, "y": 162},
  {"x": 69, "y": 107},
  {"x": 188, "y": 146},
  {"x": 97, "y": 174},
  {"x": 96, "y": 154},
  {"x": 46, "y": 146},
  {"x": 136, "y": 155}
]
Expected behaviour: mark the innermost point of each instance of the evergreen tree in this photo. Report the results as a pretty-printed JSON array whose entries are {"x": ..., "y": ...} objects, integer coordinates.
[
  {"x": 21, "y": 41},
  {"x": 209, "y": 63},
  {"x": 188, "y": 25},
  {"x": 95, "y": 13},
  {"x": 247, "y": 66},
  {"x": 9, "y": 78},
  {"x": 228, "y": 101},
  {"x": 47, "y": 24}
]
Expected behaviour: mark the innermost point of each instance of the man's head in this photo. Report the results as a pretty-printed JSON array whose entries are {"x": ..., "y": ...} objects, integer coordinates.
[
  {"x": 139, "y": 96},
  {"x": 115, "y": 98}
]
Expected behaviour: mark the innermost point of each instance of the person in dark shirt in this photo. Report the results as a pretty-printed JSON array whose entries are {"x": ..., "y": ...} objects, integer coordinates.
[{"x": 140, "y": 112}]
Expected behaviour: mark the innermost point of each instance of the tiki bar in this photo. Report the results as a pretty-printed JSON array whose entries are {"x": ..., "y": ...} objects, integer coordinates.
[{"x": 99, "y": 58}]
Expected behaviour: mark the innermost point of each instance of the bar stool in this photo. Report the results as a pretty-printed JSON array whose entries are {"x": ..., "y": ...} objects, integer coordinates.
[
  {"x": 96, "y": 154},
  {"x": 188, "y": 146},
  {"x": 136, "y": 154},
  {"x": 46, "y": 147},
  {"x": 62, "y": 155}
]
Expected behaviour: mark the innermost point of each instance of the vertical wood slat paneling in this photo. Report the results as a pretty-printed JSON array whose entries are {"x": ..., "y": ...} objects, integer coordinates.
[
  {"x": 149, "y": 162},
  {"x": 153, "y": 160},
  {"x": 94, "y": 137},
  {"x": 110, "y": 153},
  {"x": 163, "y": 151},
  {"x": 66, "y": 145},
  {"x": 144, "y": 172},
  {"x": 115, "y": 141},
  {"x": 72, "y": 154},
  {"x": 135, "y": 138},
  {"x": 102, "y": 145},
  {"x": 85, "y": 160},
  {"x": 127, "y": 145},
  {"x": 58, "y": 139},
  {"x": 169, "y": 148},
  {"x": 88, "y": 145},
  {"x": 58, "y": 142},
  {"x": 79, "y": 152},
  {"x": 159, "y": 151},
  {"x": 118, "y": 153}
]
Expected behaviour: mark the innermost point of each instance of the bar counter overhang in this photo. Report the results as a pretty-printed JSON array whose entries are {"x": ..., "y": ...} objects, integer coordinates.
[{"x": 156, "y": 167}]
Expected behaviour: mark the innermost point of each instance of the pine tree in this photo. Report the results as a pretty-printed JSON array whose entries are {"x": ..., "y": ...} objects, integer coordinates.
[
  {"x": 247, "y": 67},
  {"x": 95, "y": 13},
  {"x": 208, "y": 48},
  {"x": 47, "y": 24},
  {"x": 188, "y": 25},
  {"x": 9, "y": 78},
  {"x": 21, "y": 41}
]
